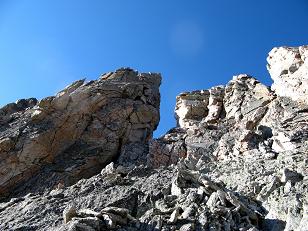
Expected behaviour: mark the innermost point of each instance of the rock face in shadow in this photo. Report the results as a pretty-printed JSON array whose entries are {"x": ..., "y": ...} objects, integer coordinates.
[
  {"x": 237, "y": 159},
  {"x": 74, "y": 134}
]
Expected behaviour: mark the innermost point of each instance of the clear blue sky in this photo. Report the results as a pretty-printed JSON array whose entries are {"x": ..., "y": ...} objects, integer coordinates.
[{"x": 196, "y": 44}]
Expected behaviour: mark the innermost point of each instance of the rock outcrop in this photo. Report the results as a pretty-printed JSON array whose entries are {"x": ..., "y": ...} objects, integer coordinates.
[
  {"x": 74, "y": 134},
  {"x": 237, "y": 159},
  {"x": 288, "y": 67}
]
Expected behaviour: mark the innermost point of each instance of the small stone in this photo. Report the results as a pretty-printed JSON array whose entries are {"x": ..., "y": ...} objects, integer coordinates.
[
  {"x": 174, "y": 216},
  {"x": 69, "y": 213},
  {"x": 109, "y": 169},
  {"x": 187, "y": 227},
  {"x": 287, "y": 187},
  {"x": 175, "y": 190},
  {"x": 203, "y": 220},
  {"x": 289, "y": 175},
  {"x": 188, "y": 212}
]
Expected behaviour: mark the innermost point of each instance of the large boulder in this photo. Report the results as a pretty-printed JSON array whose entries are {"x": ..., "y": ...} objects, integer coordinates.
[{"x": 72, "y": 135}]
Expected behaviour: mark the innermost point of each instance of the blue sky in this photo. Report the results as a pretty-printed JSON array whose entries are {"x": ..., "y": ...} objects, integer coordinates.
[{"x": 45, "y": 45}]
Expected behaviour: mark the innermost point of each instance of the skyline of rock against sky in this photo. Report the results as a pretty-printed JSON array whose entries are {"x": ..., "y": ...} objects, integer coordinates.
[{"x": 44, "y": 46}]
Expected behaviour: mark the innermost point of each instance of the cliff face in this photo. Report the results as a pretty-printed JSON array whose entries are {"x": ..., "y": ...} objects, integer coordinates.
[
  {"x": 236, "y": 161},
  {"x": 72, "y": 135}
]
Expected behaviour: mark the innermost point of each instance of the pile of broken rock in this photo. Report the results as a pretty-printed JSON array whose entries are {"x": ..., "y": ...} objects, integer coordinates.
[{"x": 86, "y": 160}]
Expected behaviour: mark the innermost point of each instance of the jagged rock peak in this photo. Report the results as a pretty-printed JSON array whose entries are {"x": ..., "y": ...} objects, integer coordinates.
[
  {"x": 209, "y": 106},
  {"x": 72, "y": 135}
]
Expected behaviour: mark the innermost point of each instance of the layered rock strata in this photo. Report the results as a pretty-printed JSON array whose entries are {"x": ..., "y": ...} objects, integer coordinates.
[{"x": 74, "y": 134}]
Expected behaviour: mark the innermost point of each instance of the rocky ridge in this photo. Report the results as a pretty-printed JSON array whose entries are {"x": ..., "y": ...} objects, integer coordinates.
[
  {"x": 70, "y": 136},
  {"x": 237, "y": 159}
]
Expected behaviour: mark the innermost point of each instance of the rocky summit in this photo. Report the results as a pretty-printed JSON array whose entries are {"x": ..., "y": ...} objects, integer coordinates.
[{"x": 85, "y": 159}]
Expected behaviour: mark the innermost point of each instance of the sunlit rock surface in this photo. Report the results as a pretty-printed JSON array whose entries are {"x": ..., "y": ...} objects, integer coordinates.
[
  {"x": 237, "y": 159},
  {"x": 72, "y": 135},
  {"x": 288, "y": 67}
]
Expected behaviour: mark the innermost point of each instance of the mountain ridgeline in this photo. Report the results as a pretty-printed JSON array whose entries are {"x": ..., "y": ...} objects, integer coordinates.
[{"x": 85, "y": 159}]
